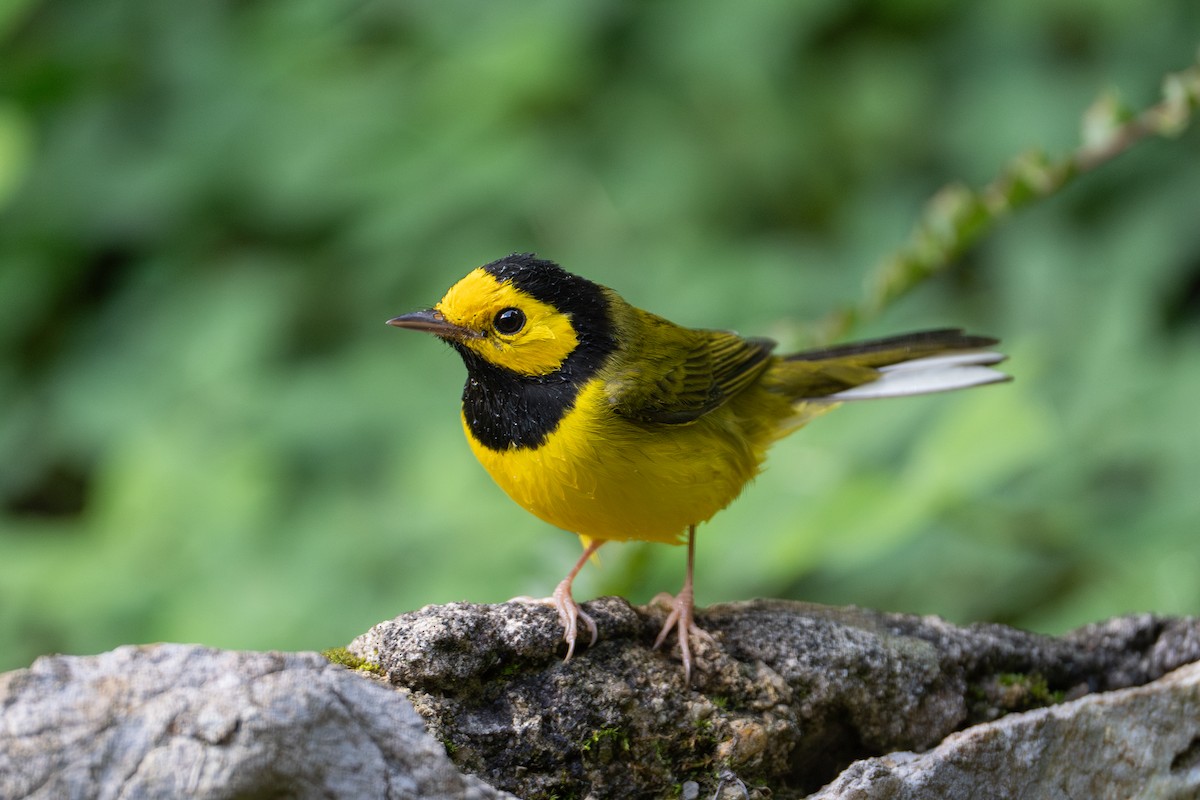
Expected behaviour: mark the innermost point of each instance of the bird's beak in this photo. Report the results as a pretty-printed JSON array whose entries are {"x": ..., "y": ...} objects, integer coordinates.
[{"x": 432, "y": 321}]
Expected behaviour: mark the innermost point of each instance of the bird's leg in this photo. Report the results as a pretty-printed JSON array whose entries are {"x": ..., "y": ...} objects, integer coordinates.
[
  {"x": 682, "y": 616},
  {"x": 569, "y": 612}
]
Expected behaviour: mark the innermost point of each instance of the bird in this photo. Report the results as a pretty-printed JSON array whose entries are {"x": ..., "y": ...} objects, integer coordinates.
[{"x": 615, "y": 424}]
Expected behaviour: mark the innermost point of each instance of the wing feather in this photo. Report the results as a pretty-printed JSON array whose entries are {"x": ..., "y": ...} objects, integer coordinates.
[{"x": 676, "y": 375}]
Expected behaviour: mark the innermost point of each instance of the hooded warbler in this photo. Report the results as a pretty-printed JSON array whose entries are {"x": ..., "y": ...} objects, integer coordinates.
[{"x": 614, "y": 424}]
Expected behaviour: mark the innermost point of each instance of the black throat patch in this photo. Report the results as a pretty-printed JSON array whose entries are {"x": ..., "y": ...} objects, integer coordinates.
[{"x": 506, "y": 410}]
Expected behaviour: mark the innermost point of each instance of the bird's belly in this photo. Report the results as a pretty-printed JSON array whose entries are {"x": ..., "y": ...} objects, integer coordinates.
[{"x": 604, "y": 477}]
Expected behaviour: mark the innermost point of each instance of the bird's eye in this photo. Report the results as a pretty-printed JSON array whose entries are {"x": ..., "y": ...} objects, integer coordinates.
[{"x": 509, "y": 320}]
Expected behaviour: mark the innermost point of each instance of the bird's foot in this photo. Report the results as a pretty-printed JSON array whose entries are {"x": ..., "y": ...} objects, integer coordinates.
[
  {"x": 682, "y": 619},
  {"x": 569, "y": 614}
]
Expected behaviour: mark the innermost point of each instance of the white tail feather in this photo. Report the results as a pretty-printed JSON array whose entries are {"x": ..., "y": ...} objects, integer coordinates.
[
  {"x": 942, "y": 373},
  {"x": 976, "y": 358}
]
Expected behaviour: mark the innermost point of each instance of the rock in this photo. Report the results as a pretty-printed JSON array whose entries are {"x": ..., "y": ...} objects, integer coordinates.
[
  {"x": 790, "y": 696},
  {"x": 184, "y": 721},
  {"x": 1133, "y": 743}
]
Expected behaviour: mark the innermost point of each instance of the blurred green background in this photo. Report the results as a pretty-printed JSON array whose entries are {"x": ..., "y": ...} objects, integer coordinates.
[{"x": 208, "y": 209}]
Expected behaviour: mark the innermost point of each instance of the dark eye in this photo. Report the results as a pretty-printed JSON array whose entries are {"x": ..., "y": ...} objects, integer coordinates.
[{"x": 509, "y": 320}]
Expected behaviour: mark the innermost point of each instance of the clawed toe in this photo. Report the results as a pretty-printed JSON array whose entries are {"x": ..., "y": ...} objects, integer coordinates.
[
  {"x": 681, "y": 619},
  {"x": 682, "y": 616},
  {"x": 569, "y": 616},
  {"x": 569, "y": 612}
]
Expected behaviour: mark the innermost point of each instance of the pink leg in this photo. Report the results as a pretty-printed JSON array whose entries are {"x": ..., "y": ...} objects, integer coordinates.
[
  {"x": 682, "y": 616},
  {"x": 569, "y": 612}
]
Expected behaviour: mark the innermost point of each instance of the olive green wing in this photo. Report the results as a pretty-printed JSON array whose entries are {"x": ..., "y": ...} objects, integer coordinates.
[{"x": 675, "y": 375}]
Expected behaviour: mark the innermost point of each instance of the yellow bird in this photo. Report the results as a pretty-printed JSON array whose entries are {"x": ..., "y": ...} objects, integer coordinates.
[{"x": 615, "y": 424}]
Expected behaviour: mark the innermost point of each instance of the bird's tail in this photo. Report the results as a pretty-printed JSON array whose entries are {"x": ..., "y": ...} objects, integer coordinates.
[{"x": 895, "y": 366}]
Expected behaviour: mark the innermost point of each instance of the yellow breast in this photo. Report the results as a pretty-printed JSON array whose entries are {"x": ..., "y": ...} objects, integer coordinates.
[{"x": 605, "y": 477}]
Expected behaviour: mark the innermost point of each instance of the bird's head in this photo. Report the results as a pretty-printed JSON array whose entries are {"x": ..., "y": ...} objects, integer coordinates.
[{"x": 522, "y": 314}]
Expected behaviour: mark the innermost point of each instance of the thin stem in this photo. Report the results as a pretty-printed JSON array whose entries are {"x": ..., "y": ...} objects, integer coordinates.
[{"x": 957, "y": 216}]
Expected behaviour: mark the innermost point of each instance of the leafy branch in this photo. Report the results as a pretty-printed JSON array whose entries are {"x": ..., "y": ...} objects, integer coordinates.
[{"x": 957, "y": 216}]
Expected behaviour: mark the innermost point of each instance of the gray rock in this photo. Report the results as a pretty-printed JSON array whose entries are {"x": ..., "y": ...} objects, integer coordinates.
[
  {"x": 166, "y": 721},
  {"x": 1134, "y": 743},
  {"x": 789, "y": 696}
]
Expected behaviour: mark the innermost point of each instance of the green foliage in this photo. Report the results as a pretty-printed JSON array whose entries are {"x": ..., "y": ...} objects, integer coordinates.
[
  {"x": 207, "y": 211},
  {"x": 957, "y": 216}
]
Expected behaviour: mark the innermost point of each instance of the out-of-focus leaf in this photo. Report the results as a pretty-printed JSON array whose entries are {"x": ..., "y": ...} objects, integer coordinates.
[
  {"x": 16, "y": 144},
  {"x": 208, "y": 210}
]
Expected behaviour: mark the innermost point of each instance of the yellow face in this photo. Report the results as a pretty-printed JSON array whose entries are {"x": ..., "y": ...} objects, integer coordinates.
[{"x": 516, "y": 331}]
